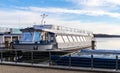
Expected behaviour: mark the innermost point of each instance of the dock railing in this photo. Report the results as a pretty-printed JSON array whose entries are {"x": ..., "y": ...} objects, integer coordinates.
[{"x": 44, "y": 58}]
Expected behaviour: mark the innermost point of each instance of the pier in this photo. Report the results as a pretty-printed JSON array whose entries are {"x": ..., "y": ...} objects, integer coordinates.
[
  {"x": 33, "y": 59},
  {"x": 22, "y": 69}
]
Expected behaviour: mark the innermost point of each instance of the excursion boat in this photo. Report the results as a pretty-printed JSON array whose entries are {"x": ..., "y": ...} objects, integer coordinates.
[{"x": 53, "y": 37}]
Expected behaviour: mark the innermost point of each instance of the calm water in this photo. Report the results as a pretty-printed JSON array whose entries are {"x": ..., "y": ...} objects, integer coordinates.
[{"x": 108, "y": 43}]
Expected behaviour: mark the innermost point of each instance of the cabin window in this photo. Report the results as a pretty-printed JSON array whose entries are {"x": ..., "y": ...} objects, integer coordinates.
[
  {"x": 65, "y": 39},
  {"x": 37, "y": 36},
  {"x": 59, "y": 39},
  {"x": 70, "y": 38},
  {"x": 74, "y": 38},
  {"x": 14, "y": 38},
  {"x": 81, "y": 38},
  {"x": 78, "y": 38},
  {"x": 43, "y": 36},
  {"x": 84, "y": 38},
  {"x": 50, "y": 37},
  {"x": 27, "y": 36}
]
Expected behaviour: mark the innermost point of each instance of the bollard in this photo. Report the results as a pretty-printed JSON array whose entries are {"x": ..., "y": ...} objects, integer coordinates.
[
  {"x": 116, "y": 62},
  {"x": 69, "y": 60},
  {"x": 93, "y": 44},
  {"x": 91, "y": 61}
]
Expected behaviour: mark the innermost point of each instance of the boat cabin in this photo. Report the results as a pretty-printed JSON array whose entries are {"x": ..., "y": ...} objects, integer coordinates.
[{"x": 6, "y": 39}]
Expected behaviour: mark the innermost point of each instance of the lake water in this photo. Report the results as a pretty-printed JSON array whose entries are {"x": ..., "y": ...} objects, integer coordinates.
[{"x": 108, "y": 43}]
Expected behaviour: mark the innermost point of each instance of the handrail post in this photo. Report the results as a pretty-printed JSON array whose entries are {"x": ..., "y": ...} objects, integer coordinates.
[
  {"x": 69, "y": 60},
  {"x": 1, "y": 56},
  {"x": 15, "y": 56},
  {"x": 49, "y": 58},
  {"x": 116, "y": 62},
  {"x": 91, "y": 61},
  {"x": 32, "y": 57}
]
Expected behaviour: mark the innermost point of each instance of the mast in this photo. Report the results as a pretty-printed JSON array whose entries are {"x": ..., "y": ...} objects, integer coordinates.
[{"x": 43, "y": 17}]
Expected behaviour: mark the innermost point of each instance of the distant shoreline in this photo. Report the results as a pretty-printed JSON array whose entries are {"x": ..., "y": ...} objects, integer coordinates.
[{"x": 106, "y": 36}]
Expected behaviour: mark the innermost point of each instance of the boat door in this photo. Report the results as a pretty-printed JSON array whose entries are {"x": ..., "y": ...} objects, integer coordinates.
[{"x": 7, "y": 41}]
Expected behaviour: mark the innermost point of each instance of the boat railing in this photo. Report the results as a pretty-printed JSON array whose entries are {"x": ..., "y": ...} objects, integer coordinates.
[
  {"x": 74, "y": 30},
  {"x": 62, "y": 28}
]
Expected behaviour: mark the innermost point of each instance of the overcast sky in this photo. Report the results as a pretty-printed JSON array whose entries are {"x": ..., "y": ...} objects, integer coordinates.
[{"x": 98, "y": 16}]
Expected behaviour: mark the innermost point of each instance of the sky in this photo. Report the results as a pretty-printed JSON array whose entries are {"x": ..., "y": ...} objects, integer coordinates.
[{"x": 97, "y": 16}]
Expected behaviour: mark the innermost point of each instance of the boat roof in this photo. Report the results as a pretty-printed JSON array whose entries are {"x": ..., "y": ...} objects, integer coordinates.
[{"x": 57, "y": 29}]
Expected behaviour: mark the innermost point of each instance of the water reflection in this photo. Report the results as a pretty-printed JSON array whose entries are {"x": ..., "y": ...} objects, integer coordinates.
[{"x": 108, "y": 43}]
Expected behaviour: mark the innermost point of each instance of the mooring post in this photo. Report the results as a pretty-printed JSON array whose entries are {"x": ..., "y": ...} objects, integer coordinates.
[
  {"x": 69, "y": 60},
  {"x": 91, "y": 61},
  {"x": 116, "y": 62},
  {"x": 93, "y": 44}
]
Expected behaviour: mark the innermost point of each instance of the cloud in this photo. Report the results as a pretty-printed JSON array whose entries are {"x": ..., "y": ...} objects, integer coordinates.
[
  {"x": 18, "y": 18},
  {"x": 89, "y": 12},
  {"x": 95, "y": 3},
  {"x": 113, "y": 2},
  {"x": 109, "y": 6},
  {"x": 88, "y": 2}
]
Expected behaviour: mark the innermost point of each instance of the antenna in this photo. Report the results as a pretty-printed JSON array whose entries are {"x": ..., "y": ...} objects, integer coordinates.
[{"x": 43, "y": 17}]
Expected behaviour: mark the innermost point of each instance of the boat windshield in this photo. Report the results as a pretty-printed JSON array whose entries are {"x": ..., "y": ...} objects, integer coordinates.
[
  {"x": 27, "y": 36},
  {"x": 37, "y": 36},
  {"x": 30, "y": 36}
]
